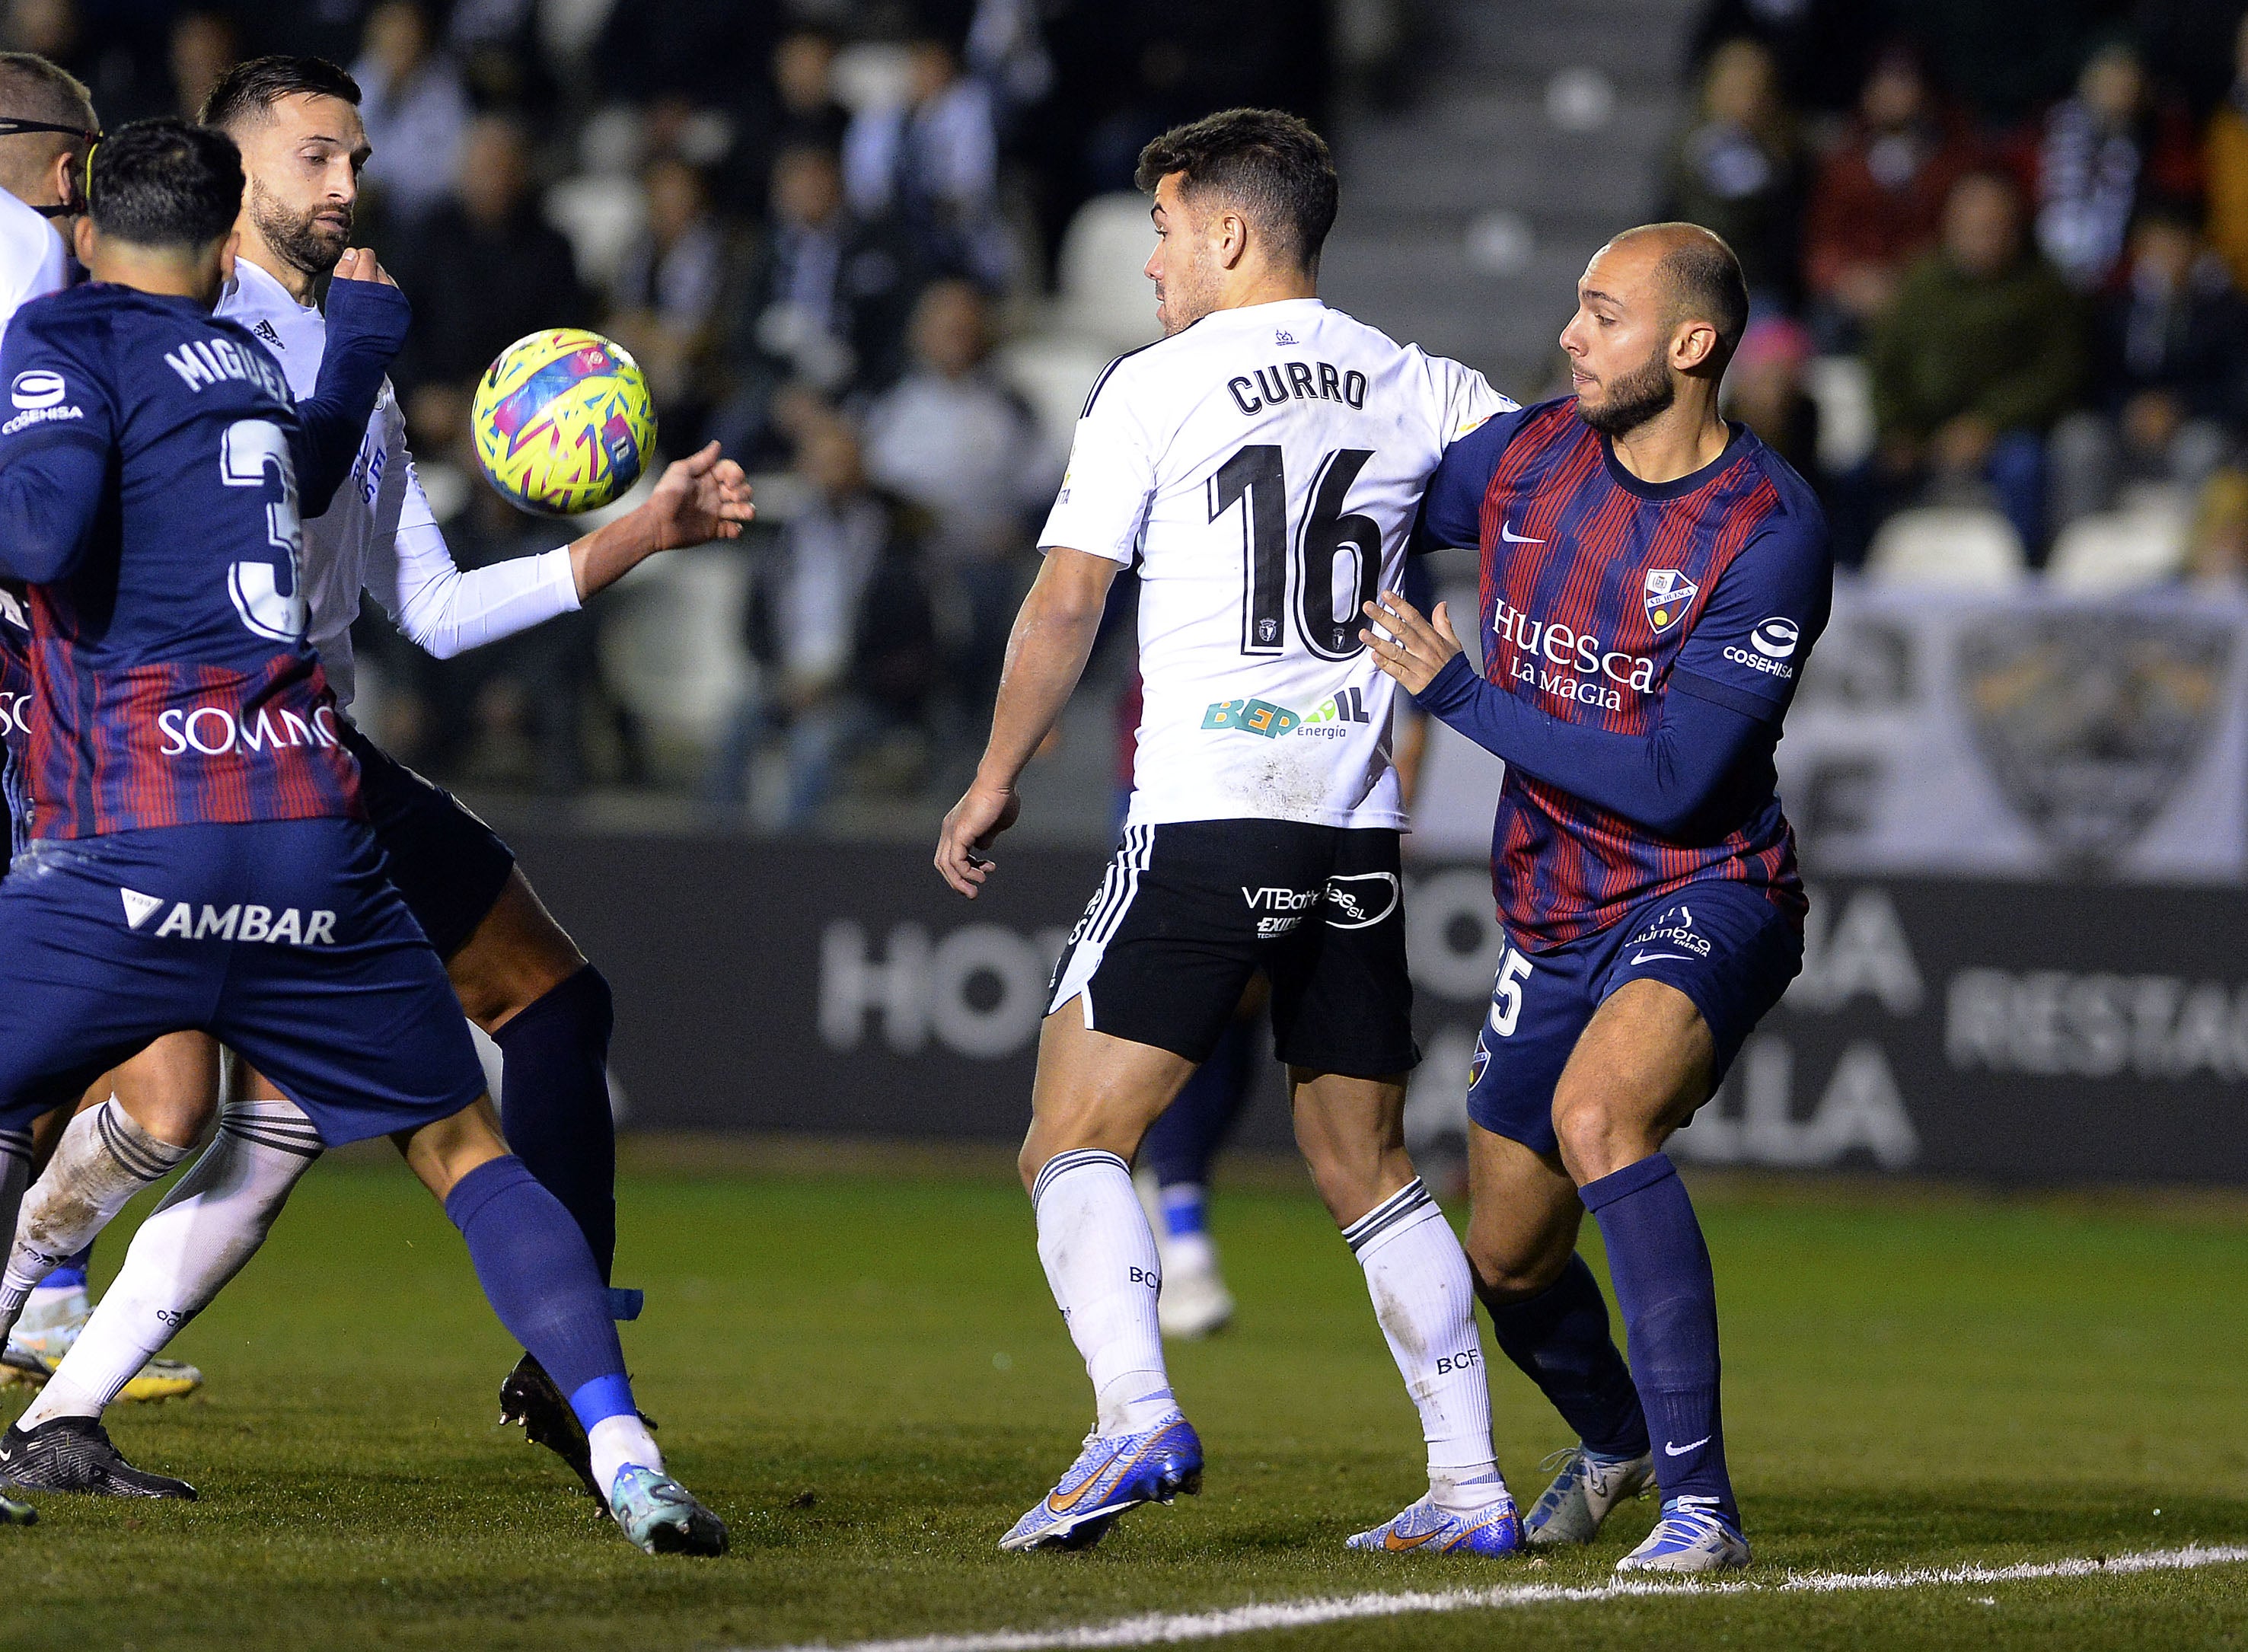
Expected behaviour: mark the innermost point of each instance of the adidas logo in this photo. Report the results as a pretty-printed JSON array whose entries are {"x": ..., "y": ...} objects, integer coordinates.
[
  {"x": 1284, "y": 337},
  {"x": 264, "y": 330}
]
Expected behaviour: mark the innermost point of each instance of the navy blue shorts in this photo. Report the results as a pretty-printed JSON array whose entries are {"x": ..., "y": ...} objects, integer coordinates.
[
  {"x": 1724, "y": 945},
  {"x": 448, "y": 865},
  {"x": 282, "y": 939}
]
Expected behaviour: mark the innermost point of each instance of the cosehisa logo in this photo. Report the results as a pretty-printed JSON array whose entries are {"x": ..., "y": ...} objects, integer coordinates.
[
  {"x": 1775, "y": 641},
  {"x": 38, "y": 396},
  {"x": 37, "y": 390},
  {"x": 1775, "y": 637}
]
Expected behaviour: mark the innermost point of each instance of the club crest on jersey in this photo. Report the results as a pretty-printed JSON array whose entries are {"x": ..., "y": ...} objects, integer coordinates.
[{"x": 1668, "y": 594}]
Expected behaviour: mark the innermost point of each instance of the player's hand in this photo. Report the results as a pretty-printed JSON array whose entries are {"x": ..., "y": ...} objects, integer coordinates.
[
  {"x": 700, "y": 497},
  {"x": 359, "y": 264},
  {"x": 980, "y": 816},
  {"x": 1415, "y": 648}
]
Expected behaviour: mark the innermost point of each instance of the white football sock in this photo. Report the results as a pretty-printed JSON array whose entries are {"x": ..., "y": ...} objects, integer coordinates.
[
  {"x": 103, "y": 1159},
  {"x": 618, "y": 1440},
  {"x": 1100, "y": 1256},
  {"x": 1418, "y": 1276},
  {"x": 209, "y": 1224}
]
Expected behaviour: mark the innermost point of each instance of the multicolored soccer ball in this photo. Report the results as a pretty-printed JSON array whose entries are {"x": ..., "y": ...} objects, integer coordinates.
[{"x": 563, "y": 421}]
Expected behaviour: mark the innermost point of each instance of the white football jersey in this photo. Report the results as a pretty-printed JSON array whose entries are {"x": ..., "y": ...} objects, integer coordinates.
[
  {"x": 378, "y": 533},
  {"x": 33, "y": 261},
  {"x": 1264, "y": 465}
]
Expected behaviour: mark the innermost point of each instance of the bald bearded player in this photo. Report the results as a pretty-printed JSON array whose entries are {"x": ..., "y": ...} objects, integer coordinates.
[{"x": 1653, "y": 578}]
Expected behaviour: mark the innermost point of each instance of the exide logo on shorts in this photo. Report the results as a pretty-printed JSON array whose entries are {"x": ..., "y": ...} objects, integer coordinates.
[{"x": 214, "y": 732}]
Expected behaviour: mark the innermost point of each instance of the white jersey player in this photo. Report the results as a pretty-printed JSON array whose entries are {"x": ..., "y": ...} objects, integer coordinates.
[
  {"x": 1262, "y": 465},
  {"x": 33, "y": 261},
  {"x": 379, "y": 535},
  {"x": 518, "y": 975}
]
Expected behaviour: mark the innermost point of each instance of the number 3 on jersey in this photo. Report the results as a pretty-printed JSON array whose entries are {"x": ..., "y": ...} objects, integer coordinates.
[
  {"x": 270, "y": 605},
  {"x": 1257, "y": 479}
]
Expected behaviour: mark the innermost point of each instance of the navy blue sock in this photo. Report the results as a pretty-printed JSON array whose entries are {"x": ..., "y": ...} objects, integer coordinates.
[
  {"x": 1663, "y": 1284},
  {"x": 554, "y": 1103},
  {"x": 1560, "y": 1340},
  {"x": 538, "y": 1274},
  {"x": 72, "y": 1272},
  {"x": 1181, "y": 1144}
]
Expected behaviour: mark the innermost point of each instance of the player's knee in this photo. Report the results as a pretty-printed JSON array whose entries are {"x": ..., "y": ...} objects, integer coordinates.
[
  {"x": 515, "y": 957},
  {"x": 178, "y": 1117},
  {"x": 1590, "y": 1132},
  {"x": 1506, "y": 1269}
]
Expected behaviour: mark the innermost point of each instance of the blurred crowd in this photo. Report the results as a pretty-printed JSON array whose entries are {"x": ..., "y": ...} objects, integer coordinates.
[
  {"x": 812, "y": 221},
  {"x": 1997, "y": 250}
]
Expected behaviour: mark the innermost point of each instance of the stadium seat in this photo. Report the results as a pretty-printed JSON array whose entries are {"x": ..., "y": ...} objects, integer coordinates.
[
  {"x": 2118, "y": 549},
  {"x": 1963, "y": 547},
  {"x": 1103, "y": 295},
  {"x": 1842, "y": 391},
  {"x": 871, "y": 74},
  {"x": 1052, "y": 372},
  {"x": 673, "y": 652},
  {"x": 602, "y": 216}
]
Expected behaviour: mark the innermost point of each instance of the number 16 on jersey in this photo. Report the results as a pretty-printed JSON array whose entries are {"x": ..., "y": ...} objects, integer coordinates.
[{"x": 1256, "y": 478}]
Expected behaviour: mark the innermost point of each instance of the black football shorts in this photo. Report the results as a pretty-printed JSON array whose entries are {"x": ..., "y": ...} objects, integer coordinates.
[
  {"x": 1187, "y": 911},
  {"x": 448, "y": 865}
]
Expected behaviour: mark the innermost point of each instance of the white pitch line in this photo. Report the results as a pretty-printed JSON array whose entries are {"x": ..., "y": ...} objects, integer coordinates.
[{"x": 1165, "y": 1628}]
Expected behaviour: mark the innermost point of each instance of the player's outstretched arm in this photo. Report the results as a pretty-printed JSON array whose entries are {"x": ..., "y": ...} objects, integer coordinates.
[
  {"x": 1662, "y": 780},
  {"x": 448, "y": 609},
  {"x": 699, "y": 498},
  {"x": 1046, "y": 653}
]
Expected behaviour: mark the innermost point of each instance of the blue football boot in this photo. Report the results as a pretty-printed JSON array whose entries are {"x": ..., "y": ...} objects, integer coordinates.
[
  {"x": 1113, "y": 1473},
  {"x": 1692, "y": 1536},
  {"x": 1493, "y": 1529},
  {"x": 661, "y": 1516}
]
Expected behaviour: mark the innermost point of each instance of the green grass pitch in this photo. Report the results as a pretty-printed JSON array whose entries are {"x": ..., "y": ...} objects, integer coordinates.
[{"x": 858, "y": 1365}]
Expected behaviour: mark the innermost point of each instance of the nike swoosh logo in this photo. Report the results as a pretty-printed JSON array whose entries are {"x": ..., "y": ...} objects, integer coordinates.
[
  {"x": 1648, "y": 958},
  {"x": 1056, "y": 1504},
  {"x": 1392, "y": 1541},
  {"x": 1670, "y": 1450},
  {"x": 1512, "y": 537}
]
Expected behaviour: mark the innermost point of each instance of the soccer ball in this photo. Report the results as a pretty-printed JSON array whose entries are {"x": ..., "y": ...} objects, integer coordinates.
[{"x": 563, "y": 421}]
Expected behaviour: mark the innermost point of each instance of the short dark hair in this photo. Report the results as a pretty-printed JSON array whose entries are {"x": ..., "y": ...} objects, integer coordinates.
[
  {"x": 1272, "y": 165},
  {"x": 33, "y": 89},
  {"x": 249, "y": 90},
  {"x": 1704, "y": 276},
  {"x": 166, "y": 183}
]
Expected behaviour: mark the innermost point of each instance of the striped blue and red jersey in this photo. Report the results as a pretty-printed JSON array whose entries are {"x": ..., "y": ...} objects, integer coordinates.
[
  {"x": 147, "y": 493},
  {"x": 1602, "y": 596}
]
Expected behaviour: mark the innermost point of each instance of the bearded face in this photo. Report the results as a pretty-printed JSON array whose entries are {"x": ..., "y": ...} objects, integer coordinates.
[
  {"x": 1630, "y": 397},
  {"x": 310, "y": 238}
]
